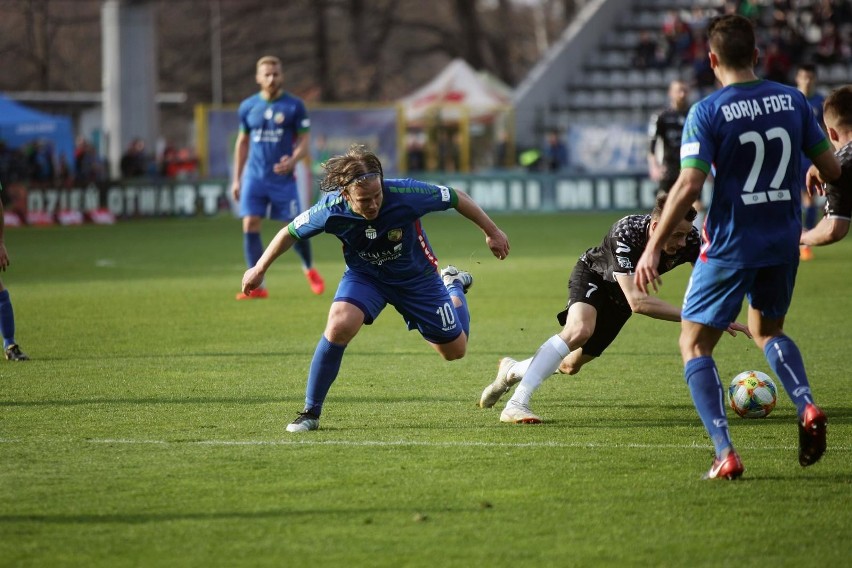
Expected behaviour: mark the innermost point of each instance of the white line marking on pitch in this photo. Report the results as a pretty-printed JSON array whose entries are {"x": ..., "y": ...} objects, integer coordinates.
[{"x": 414, "y": 443}]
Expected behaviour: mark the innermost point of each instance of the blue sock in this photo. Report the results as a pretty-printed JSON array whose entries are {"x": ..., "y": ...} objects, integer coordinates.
[
  {"x": 303, "y": 249},
  {"x": 456, "y": 290},
  {"x": 252, "y": 248},
  {"x": 324, "y": 368},
  {"x": 708, "y": 398},
  {"x": 786, "y": 360},
  {"x": 810, "y": 217},
  {"x": 7, "y": 319}
]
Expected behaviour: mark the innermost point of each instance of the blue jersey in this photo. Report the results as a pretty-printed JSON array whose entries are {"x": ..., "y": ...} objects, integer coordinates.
[
  {"x": 392, "y": 247},
  {"x": 816, "y": 102},
  {"x": 272, "y": 127},
  {"x": 753, "y": 133}
]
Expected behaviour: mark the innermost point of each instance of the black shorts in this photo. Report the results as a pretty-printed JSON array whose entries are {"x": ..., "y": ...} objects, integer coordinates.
[
  {"x": 589, "y": 287},
  {"x": 838, "y": 203}
]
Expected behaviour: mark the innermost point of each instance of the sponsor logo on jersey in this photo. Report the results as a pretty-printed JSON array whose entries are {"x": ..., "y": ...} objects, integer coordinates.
[
  {"x": 445, "y": 193},
  {"x": 621, "y": 247},
  {"x": 301, "y": 219},
  {"x": 279, "y": 118},
  {"x": 371, "y": 233},
  {"x": 395, "y": 235},
  {"x": 689, "y": 149},
  {"x": 624, "y": 262}
]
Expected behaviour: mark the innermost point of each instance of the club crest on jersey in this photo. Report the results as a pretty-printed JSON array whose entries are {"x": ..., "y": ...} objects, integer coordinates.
[
  {"x": 267, "y": 114},
  {"x": 395, "y": 235},
  {"x": 371, "y": 233},
  {"x": 624, "y": 262},
  {"x": 279, "y": 118}
]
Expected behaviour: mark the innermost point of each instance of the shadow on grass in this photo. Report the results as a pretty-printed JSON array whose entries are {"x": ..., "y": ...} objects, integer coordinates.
[{"x": 144, "y": 518}]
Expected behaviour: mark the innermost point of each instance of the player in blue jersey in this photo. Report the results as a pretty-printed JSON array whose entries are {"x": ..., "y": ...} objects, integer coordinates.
[
  {"x": 273, "y": 137},
  {"x": 806, "y": 82},
  {"x": 838, "y": 206},
  {"x": 388, "y": 261},
  {"x": 753, "y": 132},
  {"x": 7, "y": 315}
]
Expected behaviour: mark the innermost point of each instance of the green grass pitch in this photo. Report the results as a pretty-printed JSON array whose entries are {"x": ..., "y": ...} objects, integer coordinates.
[{"x": 148, "y": 428}]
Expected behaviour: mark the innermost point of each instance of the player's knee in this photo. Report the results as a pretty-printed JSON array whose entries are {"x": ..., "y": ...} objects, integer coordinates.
[{"x": 452, "y": 355}]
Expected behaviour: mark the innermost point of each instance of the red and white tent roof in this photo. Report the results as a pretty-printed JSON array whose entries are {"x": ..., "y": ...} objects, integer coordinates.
[{"x": 457, "y": 90}]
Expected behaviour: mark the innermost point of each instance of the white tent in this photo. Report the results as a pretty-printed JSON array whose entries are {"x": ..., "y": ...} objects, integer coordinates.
[{"x": 458, "y": 92}]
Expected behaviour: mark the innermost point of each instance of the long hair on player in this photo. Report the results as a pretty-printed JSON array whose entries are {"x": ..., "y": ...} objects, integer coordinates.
[{"x": 355, "y": 165}]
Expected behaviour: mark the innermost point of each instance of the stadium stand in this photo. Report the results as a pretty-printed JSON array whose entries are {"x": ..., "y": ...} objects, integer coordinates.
[{"x": 640, "y": 46}]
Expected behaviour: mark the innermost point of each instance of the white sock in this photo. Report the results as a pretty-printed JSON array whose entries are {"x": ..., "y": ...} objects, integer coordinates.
[
  {"x": 519, "y": 368},
  {"x": 543, "y": 364}
]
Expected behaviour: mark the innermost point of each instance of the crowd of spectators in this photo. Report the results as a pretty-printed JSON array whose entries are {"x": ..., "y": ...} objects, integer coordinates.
[
  {"x": 790, "y": 32},
  {"x": 37, "y": 164}
]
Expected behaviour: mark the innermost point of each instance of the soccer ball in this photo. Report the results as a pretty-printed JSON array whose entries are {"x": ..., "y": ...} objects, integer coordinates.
[{"x": 752, "y": 394}]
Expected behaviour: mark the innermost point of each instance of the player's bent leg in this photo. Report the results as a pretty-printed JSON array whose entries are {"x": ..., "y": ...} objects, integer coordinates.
[
  {"x": 344, "y": 322},
  {"x": 575, "y": 360},
  {"x": 453, "y": 350}
]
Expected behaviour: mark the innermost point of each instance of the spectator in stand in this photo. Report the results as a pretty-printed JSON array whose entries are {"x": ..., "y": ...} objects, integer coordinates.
[
  {"x": 776, "y": 61},
  {"x": 87, "y": 168},
  {"x": 749, "y": 9},
  {"x": 556, "y": 152},
  {"x": 647, "y": 54},
  {"x": 134, "y": 164},
  {"x": 829, "y": 46},
  {"x": 678, "y": 37}
]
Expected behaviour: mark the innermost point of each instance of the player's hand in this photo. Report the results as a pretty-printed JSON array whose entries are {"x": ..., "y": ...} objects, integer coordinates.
[
  {"x": 4, "y": 257},
  {"x": 736, "y": 326},
  {"x": 814, "y": 184},
  {"x": 499, "y": 244},
  {"x": 646, "y": 271},
  {"x": 235, "y": 190},
  {"x": 284, "y": 166},
  {"x": 252, "y": 279}
]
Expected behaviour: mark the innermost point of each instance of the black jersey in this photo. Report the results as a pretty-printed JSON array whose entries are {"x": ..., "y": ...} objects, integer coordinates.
[
  {"x": 624, "y": 244},
  {"x": 839, "y": 192},
  {"x": 664, "y": 133}
]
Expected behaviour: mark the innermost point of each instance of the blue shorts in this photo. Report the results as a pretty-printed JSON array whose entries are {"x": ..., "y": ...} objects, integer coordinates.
[
  {"x": 423, "y": 302},
  {"x": 714, "y": 296},
  {"x": 279, "y": 200}
]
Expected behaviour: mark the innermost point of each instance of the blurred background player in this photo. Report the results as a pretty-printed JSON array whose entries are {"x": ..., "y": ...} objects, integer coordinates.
[
  {"x": 838, "y": 206},
  {"x": 806, "y": 82},
  {"x": 273, "y": 137},
  {"x": 388, "y": 261},
  {"x": 602, "y": 297},
  {"x": 753, "y": 132},
  {"x": 665, "y": 130},
  {"x": 7, "y": 315}
]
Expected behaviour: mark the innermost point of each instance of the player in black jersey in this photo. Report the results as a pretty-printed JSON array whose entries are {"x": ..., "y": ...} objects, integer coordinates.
[
  {"x": 664, "y": 136},
  {"x": 838, "y": 207},
  {"x": 602, "y": 297}
]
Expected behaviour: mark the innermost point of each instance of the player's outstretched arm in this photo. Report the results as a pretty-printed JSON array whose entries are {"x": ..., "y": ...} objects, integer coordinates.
[
  {"x": 495, "y": 238},
  {"x": 828, "y": 230},
  {"x": 642, "y": 303},
  {"x": 253, "y": 277}
]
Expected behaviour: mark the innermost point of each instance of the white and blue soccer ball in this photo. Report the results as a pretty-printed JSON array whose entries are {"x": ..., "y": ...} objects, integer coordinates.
[{"x": 752, "y": 394}]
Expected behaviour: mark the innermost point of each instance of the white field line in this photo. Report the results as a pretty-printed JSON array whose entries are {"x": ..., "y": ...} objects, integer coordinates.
[{"x": 404, "y": 443}]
